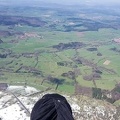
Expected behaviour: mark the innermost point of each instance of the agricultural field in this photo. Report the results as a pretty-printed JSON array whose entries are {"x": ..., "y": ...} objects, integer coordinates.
[{"x": 68, "y": 49}]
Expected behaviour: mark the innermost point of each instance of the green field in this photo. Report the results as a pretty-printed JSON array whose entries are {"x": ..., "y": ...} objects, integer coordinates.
[
  {"x": 48, "y": 58},
  {"x": 31, "y": 56}
]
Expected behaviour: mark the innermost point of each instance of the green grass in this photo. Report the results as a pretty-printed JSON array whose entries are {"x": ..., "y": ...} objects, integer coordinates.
[
  {"x": 117, "y": 103},
  {"x": 85, "y": 83},
  {"x": 66, "y": 88}
]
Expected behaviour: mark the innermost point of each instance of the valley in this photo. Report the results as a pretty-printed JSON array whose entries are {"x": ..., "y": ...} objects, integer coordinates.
[{"x": 73, "y": 51}]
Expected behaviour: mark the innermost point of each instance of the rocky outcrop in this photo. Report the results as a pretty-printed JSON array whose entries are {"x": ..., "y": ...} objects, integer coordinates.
[{"x": 84, "y": 108}]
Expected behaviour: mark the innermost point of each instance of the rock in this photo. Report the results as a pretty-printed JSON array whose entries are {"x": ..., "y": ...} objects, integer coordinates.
[{"x": 83, "y": 108}]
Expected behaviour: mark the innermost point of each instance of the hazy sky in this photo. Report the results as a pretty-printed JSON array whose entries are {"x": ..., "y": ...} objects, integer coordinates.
[
  {"x": 105, "y": 2},
  {"x": 85, "y": 1},
  {"x": 79, "y": 1}
]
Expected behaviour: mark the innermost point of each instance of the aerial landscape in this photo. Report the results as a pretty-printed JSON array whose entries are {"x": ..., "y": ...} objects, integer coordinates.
[{"x": 70, "y": 49}]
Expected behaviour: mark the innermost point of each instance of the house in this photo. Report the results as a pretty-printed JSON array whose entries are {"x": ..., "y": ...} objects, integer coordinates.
[{"x": 3, "y": 86}]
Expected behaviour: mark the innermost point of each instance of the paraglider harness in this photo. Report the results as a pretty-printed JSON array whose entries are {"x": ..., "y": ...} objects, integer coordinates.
[{"x": 52, "y": 107}]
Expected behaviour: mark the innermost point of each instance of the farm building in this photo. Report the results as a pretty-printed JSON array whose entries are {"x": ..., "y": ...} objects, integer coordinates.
[{"x": 3, "y": 86}]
